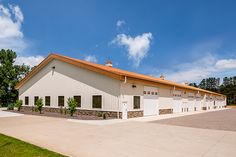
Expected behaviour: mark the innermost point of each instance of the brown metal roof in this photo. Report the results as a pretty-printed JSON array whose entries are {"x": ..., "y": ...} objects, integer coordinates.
[{"x": 107, "y": 71}]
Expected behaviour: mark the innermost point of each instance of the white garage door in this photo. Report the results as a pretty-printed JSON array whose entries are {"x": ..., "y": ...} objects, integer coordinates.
[
  {"x": 177, "y": 105},
  {"x": 198, "y": 105},
  {"x": 211, "y": 104},
  {"x": 191, "y": 105},
  {"x": 150, "y": 104},
  {"x": 177, "y": 101},
  {"x": 150, "y": 107}
]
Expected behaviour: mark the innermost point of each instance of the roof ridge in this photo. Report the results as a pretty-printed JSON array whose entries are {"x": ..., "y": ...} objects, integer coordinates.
[
  {"x": 121, "y": 71},
  {"x": 112, "y": 70}
]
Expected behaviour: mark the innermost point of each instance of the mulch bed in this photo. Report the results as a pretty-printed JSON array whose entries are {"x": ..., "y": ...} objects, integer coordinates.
[
  {"x": 58, "y": 115},
  {"x": 231, "y": 106}
]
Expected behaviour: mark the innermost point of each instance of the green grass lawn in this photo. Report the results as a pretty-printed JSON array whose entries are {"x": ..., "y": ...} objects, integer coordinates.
[{"x": 11, "y": 147}]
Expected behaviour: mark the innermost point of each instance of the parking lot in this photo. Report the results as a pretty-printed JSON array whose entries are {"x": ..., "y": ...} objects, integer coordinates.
[
  {"x": 128, "y": 138},
  {"x": 219, "y": 120}
]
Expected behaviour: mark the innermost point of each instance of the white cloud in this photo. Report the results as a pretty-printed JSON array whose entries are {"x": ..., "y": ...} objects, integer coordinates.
[
  {"x": 226, "y": 64},
  {"x": 30, "y": 60},
  {"x": 91, "y": 58},
  {"x": 11, "y": 35},
  {"x": 119, "y": 23},
  {"x": 137, "y": 47},
  {"x": 208, "y": 66}
]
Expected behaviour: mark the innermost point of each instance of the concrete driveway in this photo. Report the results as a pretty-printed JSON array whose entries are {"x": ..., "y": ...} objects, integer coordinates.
[
  {"x": 128, "y": 139},
  {"x": 219, "y": 120}
]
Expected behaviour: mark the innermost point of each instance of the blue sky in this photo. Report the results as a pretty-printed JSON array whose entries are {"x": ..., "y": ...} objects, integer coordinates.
[{"x": 184, "y": 40}]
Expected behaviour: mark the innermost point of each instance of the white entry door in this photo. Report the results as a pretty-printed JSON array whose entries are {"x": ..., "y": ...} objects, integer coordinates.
[
  {"x": 150, "y": 101},
  {"x": 124, "y": 110}
]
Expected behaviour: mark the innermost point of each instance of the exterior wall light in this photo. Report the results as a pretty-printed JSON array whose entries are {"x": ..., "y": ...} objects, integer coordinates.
[
  {"x": 133, "y": 86},
  {"x": 53, "y": 69}
]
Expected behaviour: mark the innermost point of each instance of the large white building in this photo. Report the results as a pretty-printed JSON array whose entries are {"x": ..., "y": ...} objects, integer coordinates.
[{"x": 104, "y": 89}]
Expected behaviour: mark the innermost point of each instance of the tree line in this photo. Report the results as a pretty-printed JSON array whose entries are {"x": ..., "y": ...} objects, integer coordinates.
[{"x": 228, "y": 87}]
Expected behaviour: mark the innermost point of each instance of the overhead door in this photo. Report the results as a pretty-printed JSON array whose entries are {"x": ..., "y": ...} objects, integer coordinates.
[
  {"x": 211, "y": 104},
  {"x": 150, "y": 106},
  {"x": 197, "y": 105},
  {"x": 191, "y": 102},
  {"x": 177, "y": 105},
  {"x": 177, "y": 101}
]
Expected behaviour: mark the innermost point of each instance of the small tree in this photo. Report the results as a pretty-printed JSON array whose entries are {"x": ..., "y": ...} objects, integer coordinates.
[
  {"x": 39, "y": 104},
  {"x": 18, "y": 104},
  {"x": 10, "y": 106},
  {"x": 71, "y": 105}
]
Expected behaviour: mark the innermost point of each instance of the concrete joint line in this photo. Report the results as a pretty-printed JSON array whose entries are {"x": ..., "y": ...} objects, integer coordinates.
[{"x": 211, "y": 147}]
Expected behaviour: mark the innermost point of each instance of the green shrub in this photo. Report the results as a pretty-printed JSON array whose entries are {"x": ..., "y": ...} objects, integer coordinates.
[
  {"x": 61, "y": 110},
  {"x": 99, "y": 114},
  {"x": 39, "y": 105},
  {"x": 18, "y": 104},
  {"x": 72, "y": 103},
  {"x": 104, "y": 116},
  {"x": 10, "y": 107},
  {"x": 65, "y": 111},
  {"x": 34, "y": 109}
]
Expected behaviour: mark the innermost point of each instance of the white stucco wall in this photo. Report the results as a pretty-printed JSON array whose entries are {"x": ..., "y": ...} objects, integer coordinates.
[{"x": 68, "y": 80}]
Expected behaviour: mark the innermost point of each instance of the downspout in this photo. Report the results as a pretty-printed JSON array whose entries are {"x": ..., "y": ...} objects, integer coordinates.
[
  {"x": 118, "y": 115},
  {"x": 173, "y": 91}
]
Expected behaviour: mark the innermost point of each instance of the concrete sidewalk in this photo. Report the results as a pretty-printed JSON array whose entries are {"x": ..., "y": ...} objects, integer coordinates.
[
  {"x": 8, "y": 114},
  {"x": 175, "y": 115},
  {"x": 141, "y": 119}
]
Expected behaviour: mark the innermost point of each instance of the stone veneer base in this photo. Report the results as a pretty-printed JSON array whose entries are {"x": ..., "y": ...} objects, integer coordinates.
[
  {"x": 134, "y": 114},
  {"x": 165, "y": 111},
  {"x": 109, "y": 114}
]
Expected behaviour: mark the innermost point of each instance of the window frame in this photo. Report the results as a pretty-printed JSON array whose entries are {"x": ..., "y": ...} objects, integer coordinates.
[
  {"x": 27, "y": 100},
  {"x": 58, "y": 101},
  {"x": 134, "y": 105},
  {"x": 46, "y": 100},
  {"x": 78, "y": 105},
  {"x": 101, "y": 101}
]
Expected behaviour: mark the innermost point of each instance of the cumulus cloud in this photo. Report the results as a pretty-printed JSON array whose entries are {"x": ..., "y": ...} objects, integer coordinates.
[
  {"x": 30, "y": 60},
  {"x": 202, "y": 68},
  {"x": 11, "y": 35},
  {"x": 137, "y": 47},
  {"x": 91, "y": 58}
]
